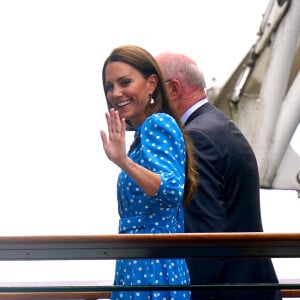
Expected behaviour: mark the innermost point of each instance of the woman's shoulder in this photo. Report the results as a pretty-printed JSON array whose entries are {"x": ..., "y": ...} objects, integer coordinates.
[
  {"x": 160, "y": 119},
  {"x": 161, "y": 124}
]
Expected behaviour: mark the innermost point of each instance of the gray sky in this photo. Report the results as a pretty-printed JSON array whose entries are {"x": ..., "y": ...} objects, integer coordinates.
[{"x": 52, "y": 103}]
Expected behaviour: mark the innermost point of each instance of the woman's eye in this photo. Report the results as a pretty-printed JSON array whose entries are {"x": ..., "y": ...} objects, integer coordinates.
[
  {"x": 109, "y": 87},
  {"x": 125, "y": 82}
]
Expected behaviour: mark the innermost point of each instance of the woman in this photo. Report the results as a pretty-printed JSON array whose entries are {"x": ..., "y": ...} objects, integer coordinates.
[{"x": 157, "y": 176}]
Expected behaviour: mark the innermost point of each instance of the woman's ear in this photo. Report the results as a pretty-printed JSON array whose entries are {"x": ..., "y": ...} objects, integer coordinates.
[{"x": 152, "y": 82}]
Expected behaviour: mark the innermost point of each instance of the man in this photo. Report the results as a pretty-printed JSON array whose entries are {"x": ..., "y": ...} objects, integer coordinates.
[{"x": 227, "y": 198}]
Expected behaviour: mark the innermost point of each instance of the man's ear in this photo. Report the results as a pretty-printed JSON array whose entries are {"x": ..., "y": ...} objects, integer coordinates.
[{"x": 174, "y": 87}]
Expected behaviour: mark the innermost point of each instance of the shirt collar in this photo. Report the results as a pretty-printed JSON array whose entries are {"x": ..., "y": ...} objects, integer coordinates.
[{"x": 188, "y": 112}]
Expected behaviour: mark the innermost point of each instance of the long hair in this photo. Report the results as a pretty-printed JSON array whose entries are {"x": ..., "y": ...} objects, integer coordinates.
[{"x": 146, "y": 64}]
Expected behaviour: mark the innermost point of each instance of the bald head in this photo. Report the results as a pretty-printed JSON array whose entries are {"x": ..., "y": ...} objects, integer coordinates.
[
  {"x": 182, "y": 67},
  {"x": 185, "y": 80}
]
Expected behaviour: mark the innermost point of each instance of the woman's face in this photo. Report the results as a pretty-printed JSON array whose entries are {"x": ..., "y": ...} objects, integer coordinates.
[{"x": 128, "y": 91}]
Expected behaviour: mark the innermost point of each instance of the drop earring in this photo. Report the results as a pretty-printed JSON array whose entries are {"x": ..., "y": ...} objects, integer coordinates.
[{"x": 151, "y": 100}]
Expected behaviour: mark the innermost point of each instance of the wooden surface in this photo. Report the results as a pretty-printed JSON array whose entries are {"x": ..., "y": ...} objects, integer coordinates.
[
  {"x": 55, "y": 296},
  {"x": 139, "y": 246},
  {"x": 286, "y": 293},
  {"x": 149, "y": 245}
]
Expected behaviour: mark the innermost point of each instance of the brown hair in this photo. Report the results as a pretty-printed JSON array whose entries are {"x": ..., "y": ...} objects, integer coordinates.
[{"x": 146, "y": 64}]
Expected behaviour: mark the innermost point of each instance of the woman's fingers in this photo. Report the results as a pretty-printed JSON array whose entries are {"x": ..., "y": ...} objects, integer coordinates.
[{"x": 114, "y": 121}]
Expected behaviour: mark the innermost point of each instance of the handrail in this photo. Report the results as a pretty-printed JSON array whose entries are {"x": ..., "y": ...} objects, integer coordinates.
[
  {"x": 125, "y": 246},
  {"x": 91, "y": 247},
  {"x": 286, "y": 293}
]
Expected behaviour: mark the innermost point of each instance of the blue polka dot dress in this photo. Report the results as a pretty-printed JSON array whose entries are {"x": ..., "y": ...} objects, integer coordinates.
[{"x": 159, "y": 147}]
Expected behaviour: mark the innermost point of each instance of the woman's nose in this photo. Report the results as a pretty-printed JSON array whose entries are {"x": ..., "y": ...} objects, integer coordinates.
[{"x": 117, "y": 91}]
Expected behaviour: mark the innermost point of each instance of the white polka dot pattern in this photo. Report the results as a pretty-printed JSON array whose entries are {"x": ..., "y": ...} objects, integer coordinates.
[{"x": 158, "y": 146}]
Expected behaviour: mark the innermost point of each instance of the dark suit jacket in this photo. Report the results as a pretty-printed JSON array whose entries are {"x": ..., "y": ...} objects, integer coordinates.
[{"x": 227, "y": 200}]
